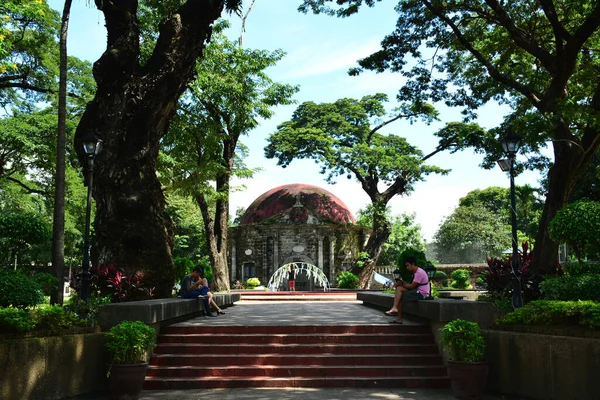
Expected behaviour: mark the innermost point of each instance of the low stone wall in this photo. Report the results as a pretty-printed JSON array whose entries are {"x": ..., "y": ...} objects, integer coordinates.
[
  {"x": 51, "y": 367},
  {"x": 523, "y": 365},
  {"x": 158, "y": 312},
  {"x": 543, "y": 366}
]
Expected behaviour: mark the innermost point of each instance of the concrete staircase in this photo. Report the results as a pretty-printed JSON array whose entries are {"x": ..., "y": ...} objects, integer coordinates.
[{"x": 198, "y": 357}]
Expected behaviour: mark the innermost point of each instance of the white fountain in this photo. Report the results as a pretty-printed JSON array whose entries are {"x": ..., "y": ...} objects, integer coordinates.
[{"x": 312, "y": 272}]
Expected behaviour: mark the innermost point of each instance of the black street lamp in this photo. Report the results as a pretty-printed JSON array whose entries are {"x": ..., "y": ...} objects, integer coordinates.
[
  {"x": 92, "y": 147},
  {"x": 430, "y": 271},
  {"x": 510, "y": 144}
]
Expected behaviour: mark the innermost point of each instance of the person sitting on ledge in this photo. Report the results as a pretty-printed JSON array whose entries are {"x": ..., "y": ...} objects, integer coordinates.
[
  {"x": 407, "y": 292},
  {"x": 195, "y": 285}
]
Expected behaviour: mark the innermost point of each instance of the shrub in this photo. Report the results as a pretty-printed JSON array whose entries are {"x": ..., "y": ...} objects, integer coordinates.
[
  {"x": 56, "y": 317},
  {"x": 545, "y": 312},
  {"x": 578, "y": 225},
  {"x": 575, "y": 269},
  {"x": 498, "y": 277},
  {"x": 87, "y": 311},
  {"x": 107, "y": 280},
  {"x": 18, "y": 290},
  {"x": 347, "y": 280},
  {"x": 434, "y": 292},
  {"x": 461, "y": 279},
  {"x": 47, "y": 282},
  {"x": 13, "y": 320},
  {"x": 421, "y": 261},
  {"x": 463, "y": 340},
  {"x": 129, "y": 342},
  {"x": 480, "y": 281},
  {"x": 183, "y": 266},
  {"x": 441, "y": 277},
  {"x": 568, "y": 287},
  {"x": 251, "y": 283},
  {"x": 361, "y": 260}
]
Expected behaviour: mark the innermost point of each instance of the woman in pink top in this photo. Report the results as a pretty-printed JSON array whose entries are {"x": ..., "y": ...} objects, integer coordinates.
[{"x": 418, "y": 289}]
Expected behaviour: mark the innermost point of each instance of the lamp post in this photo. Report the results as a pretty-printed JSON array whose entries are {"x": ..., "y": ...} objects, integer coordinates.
[
  {"x": 510, "y": 144},
  {"x": 430, "y": 271},
  {"x": 92, "y": 147}
]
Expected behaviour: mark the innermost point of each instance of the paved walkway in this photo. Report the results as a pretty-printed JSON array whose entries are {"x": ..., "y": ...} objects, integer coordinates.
[{"x": 295, "y": 313}]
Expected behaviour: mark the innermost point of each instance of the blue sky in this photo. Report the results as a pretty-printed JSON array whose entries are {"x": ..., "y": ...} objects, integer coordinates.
[{"x": 320, "y": 50}]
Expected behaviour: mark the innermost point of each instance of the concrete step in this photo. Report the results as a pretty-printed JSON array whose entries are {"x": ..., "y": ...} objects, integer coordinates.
[
  {"x": 155, "y": 383},
  {"x": 232, "y": 356},
  {"x": 280, "y": 371},
  {"x": 314, "y": 338},
  {"x": 295, "y": 348}
]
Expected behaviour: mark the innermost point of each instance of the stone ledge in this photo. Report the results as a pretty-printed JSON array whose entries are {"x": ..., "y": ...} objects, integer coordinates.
[
  {"x": 158, "y": 311},
  {"x": 437, "y": 310}
]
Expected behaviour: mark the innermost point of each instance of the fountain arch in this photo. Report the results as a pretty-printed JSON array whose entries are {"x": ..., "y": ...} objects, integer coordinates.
[{"x": 311, "y": 271}]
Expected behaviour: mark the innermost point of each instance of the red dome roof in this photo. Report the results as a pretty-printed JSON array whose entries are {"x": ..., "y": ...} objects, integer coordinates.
[{"x": 297, "y": 204}]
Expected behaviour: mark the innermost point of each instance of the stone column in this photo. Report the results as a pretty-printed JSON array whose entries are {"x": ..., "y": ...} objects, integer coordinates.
[
  {"x": 331, "y": 259},
  {"x": 233, "y": 267},
  {"x": 275, "y": 251},
  {"x": 320, "y": 253}
]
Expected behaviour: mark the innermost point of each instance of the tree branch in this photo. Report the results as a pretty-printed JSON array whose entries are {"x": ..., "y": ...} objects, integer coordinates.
[
  {"x": 493, "y": 71},
  {"x": 30, "y": 190}
]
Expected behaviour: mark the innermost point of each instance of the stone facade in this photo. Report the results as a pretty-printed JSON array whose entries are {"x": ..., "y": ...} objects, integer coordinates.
[{"x": 290, "y": 224}]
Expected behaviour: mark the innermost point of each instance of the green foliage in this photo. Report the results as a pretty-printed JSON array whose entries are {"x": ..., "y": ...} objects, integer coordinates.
[
  {"x": 404, "y": 233},
  {"x": 434, "y": 293},
  {"x": 129, "y": 342},
  {"x": 47, "y": 282},
  {"x": 480, "y": 281},
  {"x": 421, "y": 261},
  {"x": 578, "y": 225},
  {"x": 89, "y": 310},
  {"x": 19, "y": 230},
  {"x": 347, "y": 280},
  {"x": 361, "y": 259},
  {"x": 441, "y": 277},
  {"x": 13, "y": 320},
  {"x": 251, "y": 283},
  {"x": 56, "y": 317},
  {"x": 545, "y": 312},
  {"x": 190, "y": 238},
  {"x": 460, "y": 279},
  {"x": 183, "y": 266},
  {"x": 575, "y": 269},
  {"x": 571, "y": 287},
  {"x": 18, "y": 290},
  {"x": 470, "y": 234},
  {"x": 463, "y": 340}
]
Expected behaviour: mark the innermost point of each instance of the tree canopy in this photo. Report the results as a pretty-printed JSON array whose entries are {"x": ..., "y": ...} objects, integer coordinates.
[
  {"x": 340, "y": 137},
  {"x": 538, "y": 57}
]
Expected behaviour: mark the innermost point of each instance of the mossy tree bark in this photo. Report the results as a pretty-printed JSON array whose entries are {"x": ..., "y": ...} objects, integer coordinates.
[{"x": 131, "y": 112}]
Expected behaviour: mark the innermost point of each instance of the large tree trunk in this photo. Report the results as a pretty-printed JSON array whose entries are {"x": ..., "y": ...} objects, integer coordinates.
[
  {"x": 216, "y": 238},
  {"x": 571, "y": 158},
  {"x": 131, "y": 113},
  {"x": 58, "y": 226},
  {"x": 381, "y": 232}
]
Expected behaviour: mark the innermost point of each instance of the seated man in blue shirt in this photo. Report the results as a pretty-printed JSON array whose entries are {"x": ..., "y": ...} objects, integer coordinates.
[{"x": 195, "y": 285}]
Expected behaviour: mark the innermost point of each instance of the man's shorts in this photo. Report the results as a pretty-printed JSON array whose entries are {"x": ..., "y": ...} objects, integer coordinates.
[
  {"x": 292, "y": 284},
  {"x": 411, "y": 295}
]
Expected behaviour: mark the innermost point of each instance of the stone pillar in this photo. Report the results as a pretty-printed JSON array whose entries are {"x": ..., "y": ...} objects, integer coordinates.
[
  {"x": 320, "y": 253},
  {"x": 275, "y": 251},
  {"x": 331, "y": 259},
  {"x": 233, "y": 267},
  {"x": 265, "y": 265}
]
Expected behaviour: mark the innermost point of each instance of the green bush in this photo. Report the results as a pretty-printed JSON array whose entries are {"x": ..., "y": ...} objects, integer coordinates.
[
  {"x": 441, "y": 277},
  {"x": 421, "y": 261},
  {"x": 575, "y": 269},
  {"x": 347, "y": 280},
  {"x": 56, "y": 317},
  {"x": 47, "y": 282},
  {"x": 463, "y": 340},
  {"x": 434, "y": 292},
  {"x": 480, "y": 281},
  {"x": 578, "y": 225},
  {"x": 87, "y": 311},
  {"x": 251, "y": 283},
  {"x": 547, "y": 312},
  {"x": 129, "y": 342},
  {"x": 18, "y": 290},
  {"x": 13, "y": 320},
  {"x": 567, "y": 287},
  {"x": 460, "y": 279},
  {"x": 183, "y": 266}
]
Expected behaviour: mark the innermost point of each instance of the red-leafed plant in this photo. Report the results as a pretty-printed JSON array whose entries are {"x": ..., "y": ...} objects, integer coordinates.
[
  {"x": 498, "y": 276},
  {"x": 107, "y": 280}
]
